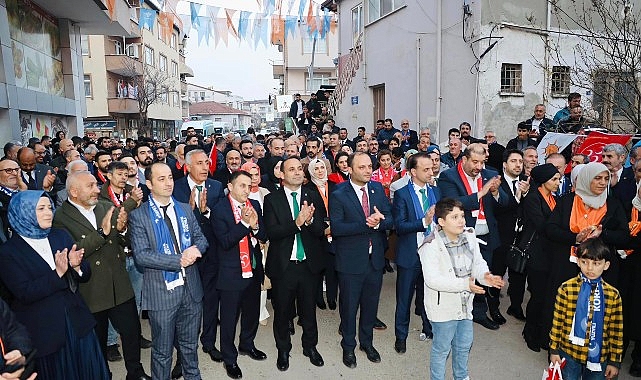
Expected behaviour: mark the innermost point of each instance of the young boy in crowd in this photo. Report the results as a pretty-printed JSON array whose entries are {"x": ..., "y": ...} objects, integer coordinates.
[
  {"x": 587, "y": 329},
  {"x": 451, "y": 263}
]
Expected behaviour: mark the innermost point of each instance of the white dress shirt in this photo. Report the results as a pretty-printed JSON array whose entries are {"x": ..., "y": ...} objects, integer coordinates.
[
  {"x": 87, "y": 213},
  {"x": 43, "y": 248},
  {"x": 290, "y": 201}
]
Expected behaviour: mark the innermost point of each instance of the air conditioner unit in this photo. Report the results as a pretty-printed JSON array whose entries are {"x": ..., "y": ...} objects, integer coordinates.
[{"x": 132, "y": 50}]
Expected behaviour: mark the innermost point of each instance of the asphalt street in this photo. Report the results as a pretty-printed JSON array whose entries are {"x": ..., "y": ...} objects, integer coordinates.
[{"x": 500, "y": 354}]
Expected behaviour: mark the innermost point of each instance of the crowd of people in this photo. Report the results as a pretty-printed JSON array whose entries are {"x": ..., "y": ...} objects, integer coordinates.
[{"x": 199, "y": 234}]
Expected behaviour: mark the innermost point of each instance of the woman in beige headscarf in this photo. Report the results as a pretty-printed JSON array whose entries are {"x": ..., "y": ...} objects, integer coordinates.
[{"x": 578, "y": 216}]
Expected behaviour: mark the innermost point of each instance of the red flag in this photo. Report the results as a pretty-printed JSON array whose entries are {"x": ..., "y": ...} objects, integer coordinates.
[
  {"x": 213, "y": 156},
  {"x": 593, "y": 144}
]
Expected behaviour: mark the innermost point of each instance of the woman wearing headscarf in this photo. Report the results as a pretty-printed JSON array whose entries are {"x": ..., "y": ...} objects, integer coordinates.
[
  {"x": 319, "y": 182},
  {"x": 258, "y": 193},
  {"x": 42, "y": 268},
  {"x": 270, "y": 180},
  {"x": 578, "y": 216},
  {"x": 537, "y": 206}
]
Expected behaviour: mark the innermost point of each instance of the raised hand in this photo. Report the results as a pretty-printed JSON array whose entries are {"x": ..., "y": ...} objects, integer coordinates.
[
  {"x": 192, "y": 198},
  {"x": 375, "y": 218},
  {"x": 62, "y": 264},
  {"x": 429, "y": 215},
  {"x": 203, "y": 200},
  {"x": 106, "y": 221},
  {"x": 75, "y": 256},
  {"x": 246, "y": 214},
  {"x": 49, "y": 180},
  {"x": 121, "y": 221},
  {"x": 494, "y": 281},
  {"x": 136, "y": 194}
]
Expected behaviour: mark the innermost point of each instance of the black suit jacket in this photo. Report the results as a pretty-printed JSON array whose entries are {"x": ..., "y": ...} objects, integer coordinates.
[
  {"x": 282, "y": 232},
  {"x": 222, "y": 176},
  {"x": 413, "y": 141},
  {"x": 625, "y": 189},
  {"x": 227, "y": 235},
  {"x": 506, "y": 215}
]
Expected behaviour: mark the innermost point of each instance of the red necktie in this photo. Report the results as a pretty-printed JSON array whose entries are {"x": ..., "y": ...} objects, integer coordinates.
[{"x": 365, "y": 202}]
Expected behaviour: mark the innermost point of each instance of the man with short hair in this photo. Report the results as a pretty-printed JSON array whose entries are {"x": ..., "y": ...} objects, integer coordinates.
[
  {"x": 343, "y": 140},
  {"x": 104, "y": 143},
  {"x": 558, "y": 160},
  {"x": 574, "y": 100},
  {"x": 313, "y": 105},
  {"x": 385, "y": 134},
  {"x": 296, "y": 108},
  {"x": 144, "y": 156},
  {"x": 580, "y": 159},
  {"x": 413, "y": 211},
  {"x": 132, "y": 176},
  {"x": 380, "y": 124},
  {"x": 259, "y": 151},
  {"x": 361, "y": 146},
  {"x": 247, "y": 150},
  {"x": 622, "y": 182},
  {"x": 522, "y": 139},
  {"x": 40, "y": 152},
  {"x": 99, "y": 229},
  {"x": 166, "y": 242},
  {"x": 372, "y": 149},
  {"x": 63, "y": 146},
  {"x": 312, "y": 148},
  {"x": 410, "y": 138},
  {"x": 233, "y": 162},
  {"x": 530, "y": 159},
  {"x": 276, "y": 147},
  {"x": 466, "y": 129},
  {"x": 480, "y": 192},
  {"x": 115, "y": 152},
  {"x": 192, "y": 140},
  {"x": 203, "y": 194},
  {"x": 453, "y": 156},
  {"x": 574, "y": 122},
  {"x": 103, "y": 159},
  {"x": 423, "y": 144},
  {"x": 291, "y": 149},
  {"x": 10, "y": 184},
  {"x": 37, "y": 176},
  {"x": 359, "y": 236},
  {"x": 332, "y": 149},
  {"x": 238, "y": 230},
  {"x": 540, "y": 124}
]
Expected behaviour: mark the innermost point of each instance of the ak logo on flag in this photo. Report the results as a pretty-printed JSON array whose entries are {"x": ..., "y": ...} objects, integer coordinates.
[{"x": 553, "y": 143}]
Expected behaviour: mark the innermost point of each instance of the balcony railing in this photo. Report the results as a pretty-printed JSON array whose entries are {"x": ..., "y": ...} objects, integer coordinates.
[{"x": 123, "y": 65}]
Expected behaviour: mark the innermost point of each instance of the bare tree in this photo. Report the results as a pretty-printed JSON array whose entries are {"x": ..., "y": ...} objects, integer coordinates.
[
  {"x": 152, "y": 86},
  {"x": 606, "y": 58}
]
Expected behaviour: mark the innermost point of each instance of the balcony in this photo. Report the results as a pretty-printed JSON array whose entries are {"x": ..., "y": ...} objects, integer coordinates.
[
  {"x": 122, "y": 105},
  {"x": 278, "y": 70},
  {"x": 123, "y": 65}
]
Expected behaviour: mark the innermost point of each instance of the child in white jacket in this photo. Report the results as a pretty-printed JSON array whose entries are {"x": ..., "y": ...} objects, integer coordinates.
[{"x": 451, "y": 263}]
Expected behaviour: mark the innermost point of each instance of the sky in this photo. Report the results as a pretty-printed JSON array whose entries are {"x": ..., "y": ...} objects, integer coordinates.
[{"x": 237, "y": 67}]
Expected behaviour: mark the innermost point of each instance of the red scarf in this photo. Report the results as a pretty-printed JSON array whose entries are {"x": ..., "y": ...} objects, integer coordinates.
[
  {"x": 101, "y": 176},
  {"x": 468, "y": 188},
  {"x": 114, "y": 199},
  {"x": 181, "y": 167},
  {"x": 245, "y": 258}
]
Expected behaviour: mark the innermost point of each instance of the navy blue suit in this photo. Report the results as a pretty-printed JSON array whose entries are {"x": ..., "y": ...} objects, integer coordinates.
[
  {"x": 409, "y": 270},
  {"x": 625, "y": 189},
  {"x": 451, "y": 185},
  {"x": 43, "y": 300},
  {"x": 360, "y": 274},
  {"x": 238, "y": 295},
  {"x": 208, "y": 264}
]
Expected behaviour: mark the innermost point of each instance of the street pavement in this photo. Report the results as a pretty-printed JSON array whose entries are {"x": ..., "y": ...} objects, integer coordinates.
[{"x": 500, "y": 354}]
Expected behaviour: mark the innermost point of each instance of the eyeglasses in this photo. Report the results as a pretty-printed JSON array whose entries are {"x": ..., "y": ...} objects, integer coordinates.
[{"x": 11, "y": 170}]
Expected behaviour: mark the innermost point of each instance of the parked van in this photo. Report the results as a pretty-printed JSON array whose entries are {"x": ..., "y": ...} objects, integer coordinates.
[{"x": 204, "y": 127}]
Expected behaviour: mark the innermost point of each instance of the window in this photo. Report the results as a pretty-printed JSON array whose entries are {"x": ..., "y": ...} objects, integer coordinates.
[
  {"x": 162, "y": 63},
  {"x": 308, "y": 43},
  {"x": 380, "y": 8},
  {"x": 163, "y": 97},
  {"x": 88, "y": 86},
  {"x": 117, "y": 47},
  {"x": 132, "y": 50},
  {"x": 357, "y": 23},
  {"x": 149, "y": 56},
  {"x": 175, "y": 99},
  {"x": 174, "y": 68},
  {"x": 202, "y": 95},
  {"x": 378, "y": 96},
  {"x": 511, "y": 78},
  {"x": 172, "y": 42},
  {"x": 614, "y": 94},
  {"x": 218, "y": 119},
  {"x": 560, "y": 80},
  {"x": 84, "y": 44},
  {"x": 318, "y": 80}
]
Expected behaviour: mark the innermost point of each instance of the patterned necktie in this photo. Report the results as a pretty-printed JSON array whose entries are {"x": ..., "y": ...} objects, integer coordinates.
[
  {"x": 425, "y": 199},
  {"x": 514, "y": 181},
  {"x": 300, "y": 251},
  {"x": 365, "y": 202}
]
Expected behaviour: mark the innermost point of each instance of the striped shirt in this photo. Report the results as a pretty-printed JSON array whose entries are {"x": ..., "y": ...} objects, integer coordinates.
[{"x": 564, "y": 310}]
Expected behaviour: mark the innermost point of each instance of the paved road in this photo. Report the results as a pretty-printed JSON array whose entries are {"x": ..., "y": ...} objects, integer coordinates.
[{"x": 500, "y": 354}]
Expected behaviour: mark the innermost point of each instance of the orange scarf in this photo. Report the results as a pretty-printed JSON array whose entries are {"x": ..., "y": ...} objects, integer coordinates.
[
  {"x": 549, "y": 199},
  {"x": 582, "y": 216}
]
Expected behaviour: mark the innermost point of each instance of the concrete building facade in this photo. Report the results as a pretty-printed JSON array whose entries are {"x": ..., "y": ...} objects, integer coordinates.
[{"x": 41, "y": 76}]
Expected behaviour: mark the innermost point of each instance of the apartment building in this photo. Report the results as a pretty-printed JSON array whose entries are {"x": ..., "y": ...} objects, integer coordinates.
[
  {"x": 198, "y": 93},
  {"x": 41, "y": 80},
  {"x": 126, "y": 73}
]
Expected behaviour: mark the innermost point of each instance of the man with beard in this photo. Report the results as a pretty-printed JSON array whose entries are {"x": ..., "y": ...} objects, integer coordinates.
[
  {"x": 386, "y": 134},
  {"x": 312, "y": 147},
  {"x": 247, "y": 150},
  {"x": 233, "y": 162},
  {"x": 40, "y": 152},
  {"x": 144, "y": 157},
  {"x": 132, "y": 175},
  {"x": 332, "y": 149},
  {"x": 103, "y": 159}
]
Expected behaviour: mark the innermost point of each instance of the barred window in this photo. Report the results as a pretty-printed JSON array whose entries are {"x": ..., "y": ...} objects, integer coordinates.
[
  {"x": 511, "y": 75},
  {"x": 560, "y": 80}
]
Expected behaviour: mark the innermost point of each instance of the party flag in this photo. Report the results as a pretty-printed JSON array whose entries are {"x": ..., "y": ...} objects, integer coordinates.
[
  {"x": 111, "y": 8},
  {"x": 290, "y": 26},
  {"x": 243, "y": 24},
  {"x": 195, "y": 8},
  {"x": 301, "y": 9},
  {"x": 230, "y": 24},
  {"x": 147, "y": 19},
  {"x": 278, "y": 30}
]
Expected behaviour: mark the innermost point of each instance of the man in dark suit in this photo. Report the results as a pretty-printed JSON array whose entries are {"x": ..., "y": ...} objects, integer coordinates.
[
  {"x": 540, "y": 124},
  {"x": 98, "y": 228},
  {"x": 622, "y": 182},
  {"x": 559, "y": 162},
  {"x": 413, "y": 212},
  {"x": 515, "y": 184},
  {"x": 167, "y": 241},
  {"x": 202, "y": 194},
  {"x": 479, "y": 191},
  {"x": 238, "y": 232},
  {"x": 410, "y": 137},
  {"x": 522, "y": 139},
  {"x": 232, "y": 162},
  {"x": 38, "y": 176},
  {"x": 343, "y": 140},
  {"x": 360, "y": 215},
  {"x": 296, "y": 218}
]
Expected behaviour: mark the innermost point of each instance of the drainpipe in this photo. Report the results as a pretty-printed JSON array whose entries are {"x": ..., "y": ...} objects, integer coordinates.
[
  {"x": 439, "y": 52},
  {"x": 418, "y": 83},
  {"x": 546, "y": 68}
]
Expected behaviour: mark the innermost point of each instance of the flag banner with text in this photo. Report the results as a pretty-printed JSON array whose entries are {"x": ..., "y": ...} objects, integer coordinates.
[{"x": 594, "y": 143}]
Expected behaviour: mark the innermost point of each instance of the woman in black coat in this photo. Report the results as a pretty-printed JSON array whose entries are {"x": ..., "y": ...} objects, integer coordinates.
[
  {"x": 578, "y": 216},
  {"x": 537, "y": 207}
]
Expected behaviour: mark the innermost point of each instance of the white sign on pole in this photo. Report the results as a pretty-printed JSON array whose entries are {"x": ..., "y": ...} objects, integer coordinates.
[{"x": 283, "y": 102}]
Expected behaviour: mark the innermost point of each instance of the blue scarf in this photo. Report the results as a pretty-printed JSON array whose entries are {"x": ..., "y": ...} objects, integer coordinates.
[
  {"x": 164, "y": 242},
  {"x": 22, "y": 214},
  {"x": 417, "y": 204},
  {"x": 582, "y": 318}
]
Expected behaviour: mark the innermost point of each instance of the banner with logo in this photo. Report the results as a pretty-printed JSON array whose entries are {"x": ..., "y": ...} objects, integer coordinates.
[
  {"x": 594, "y": 143},
  {"x": 553, "y": 143}
]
